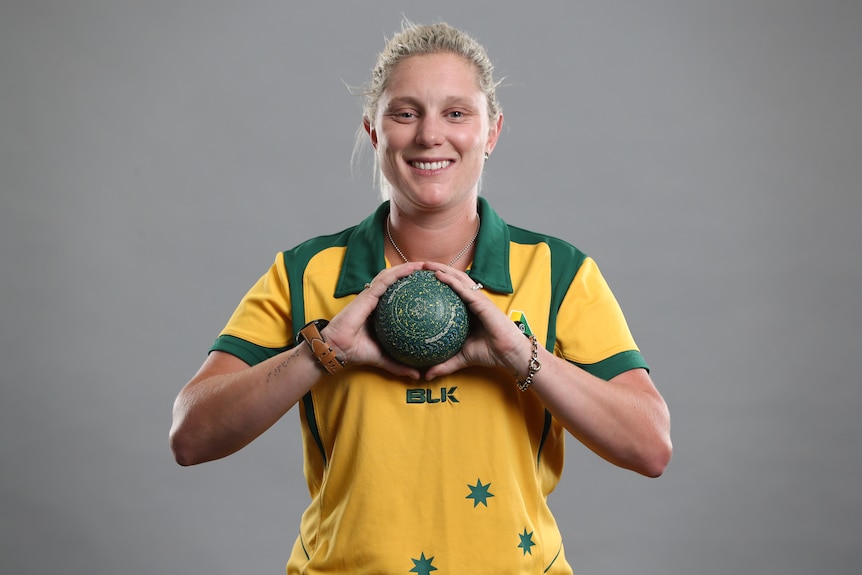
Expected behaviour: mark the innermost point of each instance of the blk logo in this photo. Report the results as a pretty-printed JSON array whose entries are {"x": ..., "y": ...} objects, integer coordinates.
[{"x": 442, "y": 395}]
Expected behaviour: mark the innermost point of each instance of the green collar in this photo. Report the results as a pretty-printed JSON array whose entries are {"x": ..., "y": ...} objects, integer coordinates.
[{"x": 364, "y": 255}]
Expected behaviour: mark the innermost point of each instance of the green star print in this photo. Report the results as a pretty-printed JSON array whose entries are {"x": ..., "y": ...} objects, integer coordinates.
[
  {"x": 422, "y": 566},
  {"x": 479, "y": 493},
  {"x": 526, "y": 542}
]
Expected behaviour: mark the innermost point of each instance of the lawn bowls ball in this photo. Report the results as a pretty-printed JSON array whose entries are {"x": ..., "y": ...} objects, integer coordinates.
[{"x": 420, "y": 321}]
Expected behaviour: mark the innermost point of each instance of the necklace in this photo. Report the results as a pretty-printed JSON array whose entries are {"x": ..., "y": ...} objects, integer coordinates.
[{"x": 458, "y": 257}]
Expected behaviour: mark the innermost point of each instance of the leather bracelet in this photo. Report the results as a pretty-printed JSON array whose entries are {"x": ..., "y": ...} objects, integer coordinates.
[
  {"x": 534, "y": 366},
  {"x": 310, "y": 334}
]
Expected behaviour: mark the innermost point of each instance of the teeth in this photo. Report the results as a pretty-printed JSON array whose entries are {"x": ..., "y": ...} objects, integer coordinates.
[{"x": 431, "y": 165}]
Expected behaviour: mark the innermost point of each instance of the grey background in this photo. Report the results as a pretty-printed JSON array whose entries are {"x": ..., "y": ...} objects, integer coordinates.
[{"x": 154, "y": 157}]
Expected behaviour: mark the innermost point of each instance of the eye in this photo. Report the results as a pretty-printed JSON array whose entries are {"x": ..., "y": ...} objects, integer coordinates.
[
  {"x": 402, "y": 116},
  {"x": 456, "y": 114}
]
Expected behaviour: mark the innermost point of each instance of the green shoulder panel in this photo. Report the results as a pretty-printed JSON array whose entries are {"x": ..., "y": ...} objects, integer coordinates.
[
  {"x": 566, "y": 260},
  {"x": 295, "y": 262}
]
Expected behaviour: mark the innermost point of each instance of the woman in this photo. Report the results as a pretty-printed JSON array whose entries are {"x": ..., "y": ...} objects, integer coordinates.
[{"x": 446, "y": 470}]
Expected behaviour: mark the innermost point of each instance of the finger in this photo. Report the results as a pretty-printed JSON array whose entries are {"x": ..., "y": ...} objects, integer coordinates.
[
  {"x": 459, "y": 281},
  {"x": 398, "y": 369},
  {"x": 447, "y": 271},
  {"x": 451, "y": 365},
  {"x": 388, "y": 276}
]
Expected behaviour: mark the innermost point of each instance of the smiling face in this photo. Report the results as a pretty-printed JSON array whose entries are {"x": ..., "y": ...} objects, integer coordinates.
[{"x": 432, "y": 130}]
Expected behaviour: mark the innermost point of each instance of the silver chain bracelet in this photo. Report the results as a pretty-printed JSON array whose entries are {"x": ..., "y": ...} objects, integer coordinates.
[{"x": 535, "y": 366}]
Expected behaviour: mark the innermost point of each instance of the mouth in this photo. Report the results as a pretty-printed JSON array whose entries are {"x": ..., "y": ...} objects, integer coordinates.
[{"x": 430, "y": 166}]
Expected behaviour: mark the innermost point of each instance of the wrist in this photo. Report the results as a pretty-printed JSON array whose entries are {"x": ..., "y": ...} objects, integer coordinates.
[
  {"x": 519, "y": 360},
  {"x": 320, "y": 348},
  {"x": 532, "y": 365}
]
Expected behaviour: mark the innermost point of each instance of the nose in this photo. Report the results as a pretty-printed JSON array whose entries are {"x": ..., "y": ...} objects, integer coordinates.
[{"x": 429, "y": 132}]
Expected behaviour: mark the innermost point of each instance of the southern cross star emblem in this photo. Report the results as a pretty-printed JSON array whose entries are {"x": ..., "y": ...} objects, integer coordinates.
[
  {"x": 526, "y": 541},
  {"x": 422, "y": 566},
  {"x": 479, "y": 493}
]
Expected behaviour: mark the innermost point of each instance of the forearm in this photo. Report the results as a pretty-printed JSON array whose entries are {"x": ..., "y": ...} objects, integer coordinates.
[
  {"x": 228, "y": 404},
  {"x": 222, "y": 409},
  {"x": 623, "y": 420}
]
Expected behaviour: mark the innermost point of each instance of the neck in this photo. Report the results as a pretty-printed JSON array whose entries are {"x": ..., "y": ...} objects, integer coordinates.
[{"x": 438, "y": 238}]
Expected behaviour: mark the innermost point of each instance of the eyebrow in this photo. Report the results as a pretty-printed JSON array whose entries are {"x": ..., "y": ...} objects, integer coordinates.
[{"x": 448, "y": 102}]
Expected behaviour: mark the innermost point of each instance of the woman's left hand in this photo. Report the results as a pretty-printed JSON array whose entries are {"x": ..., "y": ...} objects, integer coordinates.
[{"x": 494, "y": 340}]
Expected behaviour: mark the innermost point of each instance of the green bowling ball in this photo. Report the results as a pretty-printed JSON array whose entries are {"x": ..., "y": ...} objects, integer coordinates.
[{"x": 420, "y": 321}]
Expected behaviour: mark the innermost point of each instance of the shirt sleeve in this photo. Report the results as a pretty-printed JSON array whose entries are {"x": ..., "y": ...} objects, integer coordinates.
[
  {"x": 260, "y": 326},
  {"x": 592, "y": 331}
]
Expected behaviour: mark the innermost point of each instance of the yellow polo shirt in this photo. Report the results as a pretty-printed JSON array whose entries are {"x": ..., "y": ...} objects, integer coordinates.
[{"x": 448, "y": 476}]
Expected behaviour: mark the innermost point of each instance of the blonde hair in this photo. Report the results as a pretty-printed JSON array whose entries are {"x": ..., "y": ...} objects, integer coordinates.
[{"x": 418, "y": 40}]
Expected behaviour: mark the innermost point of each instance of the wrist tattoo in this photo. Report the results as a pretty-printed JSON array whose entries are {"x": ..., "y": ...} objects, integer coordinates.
[{"x": 278, "y": 369}]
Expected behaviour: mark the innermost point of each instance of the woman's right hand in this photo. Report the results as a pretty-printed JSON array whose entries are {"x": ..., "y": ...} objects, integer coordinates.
[{"x": 350, "y": 333}]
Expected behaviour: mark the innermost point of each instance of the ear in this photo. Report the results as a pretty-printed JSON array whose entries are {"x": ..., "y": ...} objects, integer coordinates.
[
  {"x": 366, "y": 123},
  {"x": 494, "y": 134}
]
